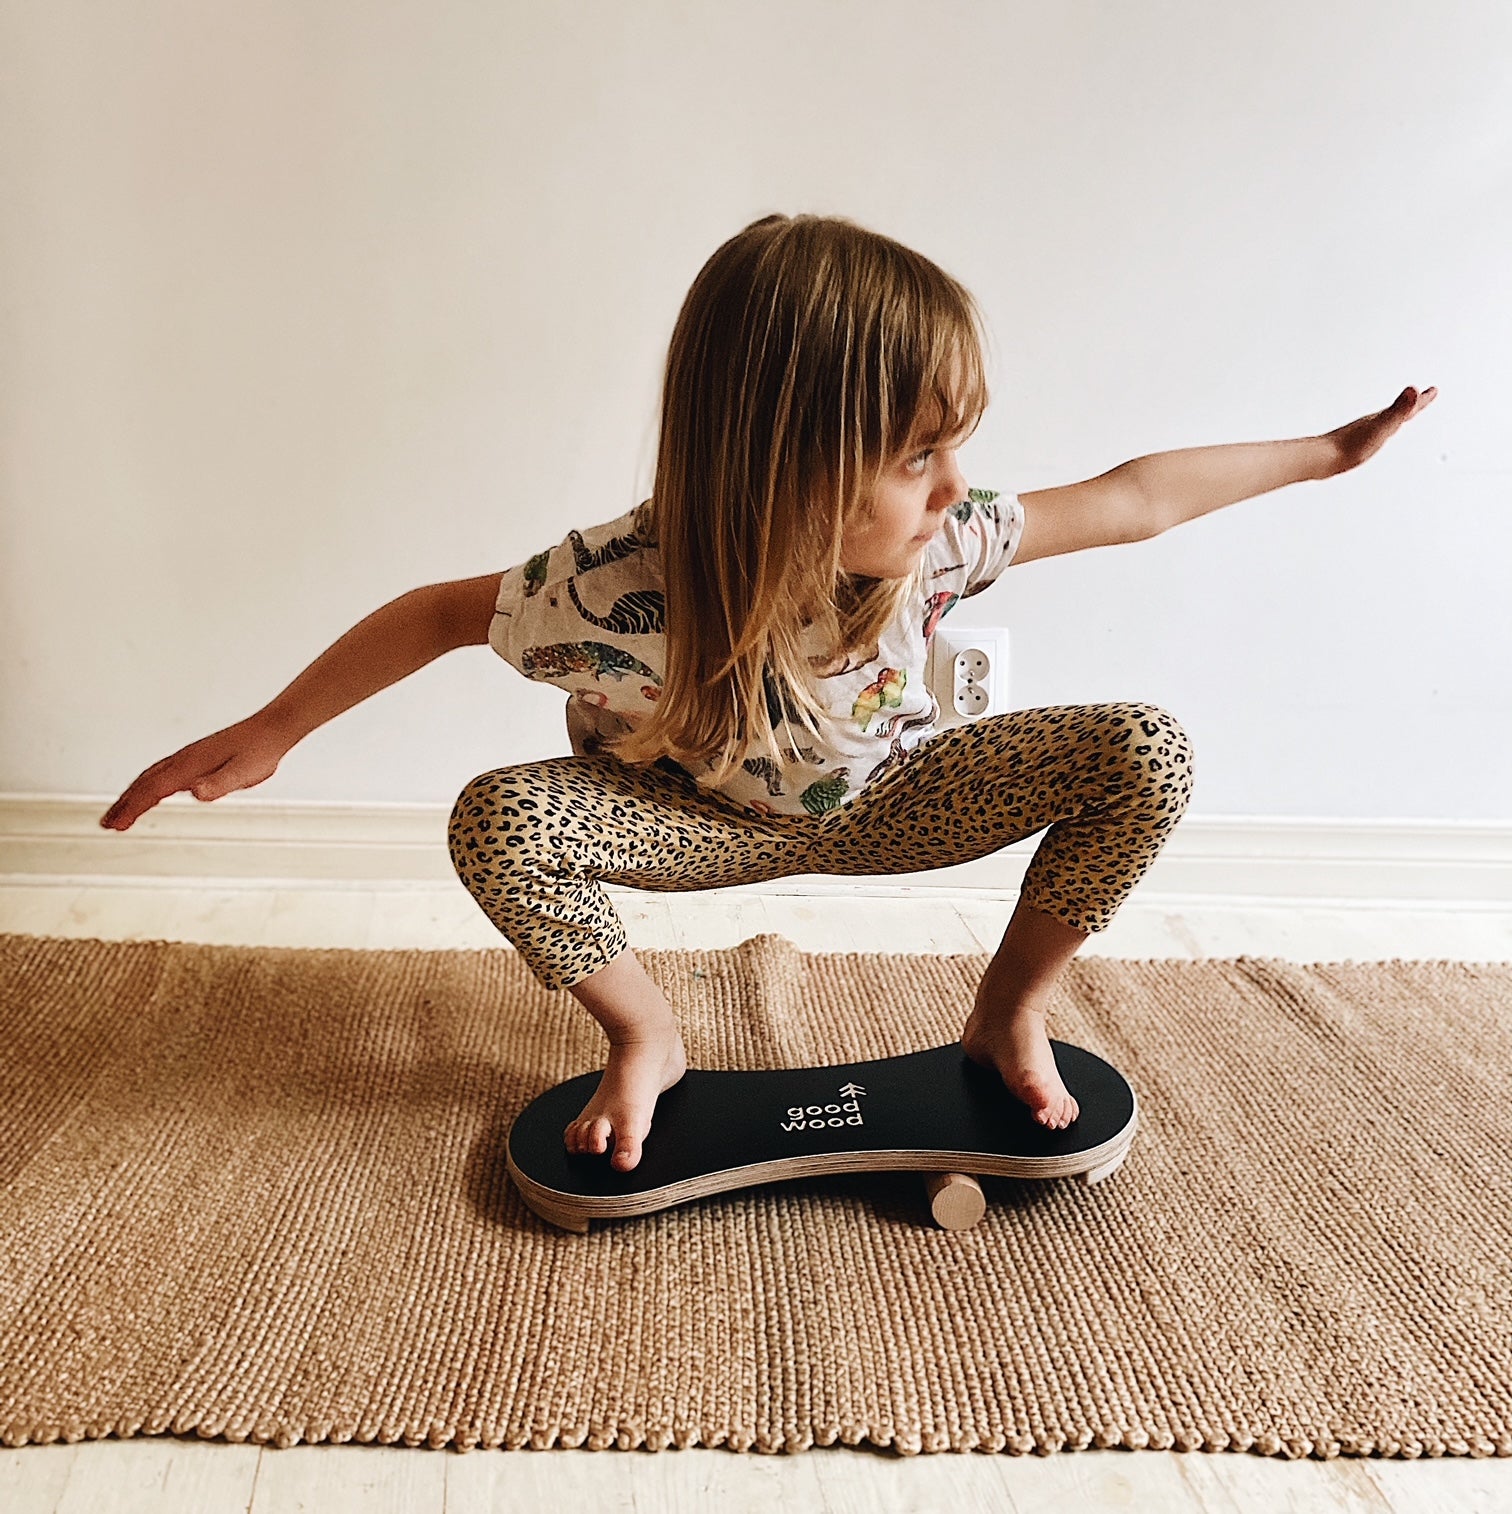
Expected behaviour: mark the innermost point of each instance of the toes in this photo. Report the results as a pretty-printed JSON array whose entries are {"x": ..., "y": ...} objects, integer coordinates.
[
  {"x": 584, "y": 1135},
  {"x": 595, "y": 1136},
  {"x": 1058, "y": 1113},
  {"x": 627, "y": 1145}
]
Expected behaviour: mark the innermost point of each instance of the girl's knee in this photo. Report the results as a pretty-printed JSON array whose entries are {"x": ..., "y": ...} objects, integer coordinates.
[
  {"x": 1162, "y": 727},
  {"x": 1158, "y": 748},
  {"x": 488, "y": 808}
]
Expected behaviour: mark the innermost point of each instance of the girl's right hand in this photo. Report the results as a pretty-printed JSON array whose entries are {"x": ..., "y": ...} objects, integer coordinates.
[{"x": 239, "y": 757}]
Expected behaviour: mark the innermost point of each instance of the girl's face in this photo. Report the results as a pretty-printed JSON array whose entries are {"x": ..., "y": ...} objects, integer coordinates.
[{"x": 910, "y": 498}]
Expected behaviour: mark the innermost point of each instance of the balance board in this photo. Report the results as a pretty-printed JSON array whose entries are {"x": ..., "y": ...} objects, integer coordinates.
[{"x": 932, "y": 1111}]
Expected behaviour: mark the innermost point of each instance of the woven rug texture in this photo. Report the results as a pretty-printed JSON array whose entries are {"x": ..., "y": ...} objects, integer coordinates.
[{"x": 259, "y": 1193}]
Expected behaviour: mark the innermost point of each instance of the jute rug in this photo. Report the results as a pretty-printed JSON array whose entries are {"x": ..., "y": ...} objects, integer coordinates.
[{"x": 259, "y": 1193}]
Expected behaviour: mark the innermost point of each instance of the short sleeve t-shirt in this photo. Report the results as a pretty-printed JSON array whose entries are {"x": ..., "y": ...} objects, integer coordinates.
[{"x": 588, "y": 616}]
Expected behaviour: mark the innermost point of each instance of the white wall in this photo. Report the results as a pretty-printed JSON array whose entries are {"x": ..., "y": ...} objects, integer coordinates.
[{"x": 306, "y": 304}]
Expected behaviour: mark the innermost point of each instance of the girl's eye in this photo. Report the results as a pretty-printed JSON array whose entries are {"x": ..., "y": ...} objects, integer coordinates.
[{"x": 919, "y": 457}]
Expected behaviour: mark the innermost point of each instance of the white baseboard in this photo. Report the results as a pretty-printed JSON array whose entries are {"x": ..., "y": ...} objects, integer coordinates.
[{"x": 56, "y": 839}]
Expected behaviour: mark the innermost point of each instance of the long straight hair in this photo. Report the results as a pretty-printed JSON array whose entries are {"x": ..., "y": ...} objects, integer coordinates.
[{"x": 809, "y": 354}]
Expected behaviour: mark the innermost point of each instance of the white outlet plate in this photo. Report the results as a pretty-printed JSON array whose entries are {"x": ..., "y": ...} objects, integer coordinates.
[{"x": 968, "y": 673}]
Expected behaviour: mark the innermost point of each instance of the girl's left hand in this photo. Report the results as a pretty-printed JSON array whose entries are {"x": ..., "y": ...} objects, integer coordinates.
[{"x": 1363, "y": 438}]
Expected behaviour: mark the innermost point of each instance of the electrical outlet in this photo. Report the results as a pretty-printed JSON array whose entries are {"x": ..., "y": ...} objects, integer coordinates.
[{"x": 969, "y": 673}]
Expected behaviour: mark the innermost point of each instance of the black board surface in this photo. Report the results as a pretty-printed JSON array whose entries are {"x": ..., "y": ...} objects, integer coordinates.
[{"x": 924, "y": 1101}]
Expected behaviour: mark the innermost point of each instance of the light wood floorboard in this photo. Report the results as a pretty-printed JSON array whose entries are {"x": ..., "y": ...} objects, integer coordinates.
[{"x": 165, "y": 1475}]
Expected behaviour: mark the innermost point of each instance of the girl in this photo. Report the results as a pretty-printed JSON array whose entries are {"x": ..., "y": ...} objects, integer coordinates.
[{"x": 809, "y": 528}]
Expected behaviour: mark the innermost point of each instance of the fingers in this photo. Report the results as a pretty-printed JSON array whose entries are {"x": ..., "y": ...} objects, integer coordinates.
[
  {"x": 132, "y": 805},
  {"x": 173, "y": 775}
]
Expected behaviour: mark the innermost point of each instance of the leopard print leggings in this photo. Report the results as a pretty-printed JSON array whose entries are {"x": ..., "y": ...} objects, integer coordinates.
[{"x": 534, "y": 843}]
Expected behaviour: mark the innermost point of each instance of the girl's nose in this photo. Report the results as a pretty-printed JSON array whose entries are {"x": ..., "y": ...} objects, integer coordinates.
[{"x": 950, "y": 497}]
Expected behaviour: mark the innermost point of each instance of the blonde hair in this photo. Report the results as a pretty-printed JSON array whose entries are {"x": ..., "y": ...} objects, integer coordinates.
[{"x": 808, "y": 354}]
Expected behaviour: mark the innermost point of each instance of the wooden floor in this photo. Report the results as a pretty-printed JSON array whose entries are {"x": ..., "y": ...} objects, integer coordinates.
[{"x": 171, "y": 1476}]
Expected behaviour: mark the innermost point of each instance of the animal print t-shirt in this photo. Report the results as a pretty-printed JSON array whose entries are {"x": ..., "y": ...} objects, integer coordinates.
[{"x": 587, "y": 615}]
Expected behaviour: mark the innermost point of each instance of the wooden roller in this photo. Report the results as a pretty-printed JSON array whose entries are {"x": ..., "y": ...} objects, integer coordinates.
[{"x": 956, "y": 1199}]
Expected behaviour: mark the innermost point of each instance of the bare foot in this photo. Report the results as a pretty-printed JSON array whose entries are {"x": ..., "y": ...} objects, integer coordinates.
[
  {"x": 620, "y": 1109},
  {"x": 1017, "y": 1045}
]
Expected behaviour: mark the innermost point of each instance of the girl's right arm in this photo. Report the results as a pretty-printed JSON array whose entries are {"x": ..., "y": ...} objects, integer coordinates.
[{"x": 391, "y": 643}]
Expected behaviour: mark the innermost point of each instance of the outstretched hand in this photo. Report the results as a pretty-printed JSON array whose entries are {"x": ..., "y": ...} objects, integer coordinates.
[
  {"x": 1365, "y": 437},
  {"x": 239, "y": 757}
]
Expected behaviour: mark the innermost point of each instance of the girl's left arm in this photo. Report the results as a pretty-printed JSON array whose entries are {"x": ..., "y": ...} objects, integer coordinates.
[{"x": 1181, "y": 485}]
